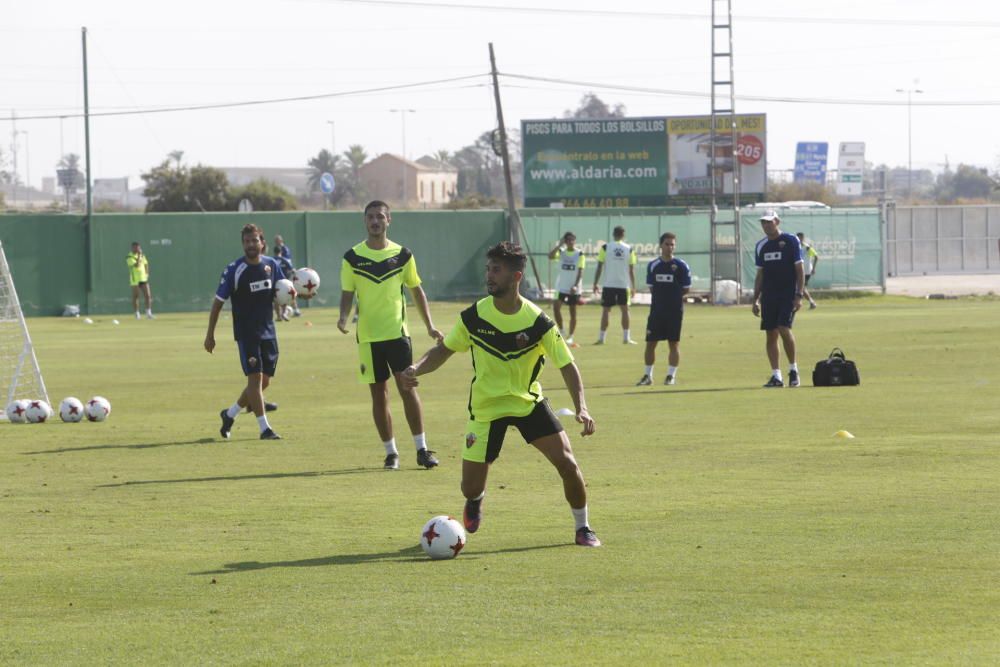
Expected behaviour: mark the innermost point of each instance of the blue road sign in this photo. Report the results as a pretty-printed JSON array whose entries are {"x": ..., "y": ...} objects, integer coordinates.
[
  {"x": 326, "y": 183},
  {"x": 810, "y": 161}
]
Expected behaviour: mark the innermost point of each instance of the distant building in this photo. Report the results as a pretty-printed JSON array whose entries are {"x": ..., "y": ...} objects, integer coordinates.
[{"x": 426, "y": 183}]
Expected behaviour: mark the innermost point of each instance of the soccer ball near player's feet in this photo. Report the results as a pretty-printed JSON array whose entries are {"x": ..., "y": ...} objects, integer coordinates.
[
  {"x": 442, "y": 538},
  {"x": 98, "y": 409},
  {"x": 71, "y": 409},
  {"x": 37, "y": 412},
  {"x": 306, "y": 281},
  {"x": 284, "y": 292}
]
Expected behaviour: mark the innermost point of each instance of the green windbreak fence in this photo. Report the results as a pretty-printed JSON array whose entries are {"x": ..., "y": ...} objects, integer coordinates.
[
  {"x": 58, "y": 259},
  {"x": 848, "y": 241},
  {"x": 54, "y": 265}
]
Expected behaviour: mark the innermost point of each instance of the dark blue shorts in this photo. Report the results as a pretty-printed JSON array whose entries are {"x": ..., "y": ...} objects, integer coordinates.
[
  {"x": 776, "y": 312},
  {"x": 664, "y": 326},
  {"x": 258, "y": 356}
]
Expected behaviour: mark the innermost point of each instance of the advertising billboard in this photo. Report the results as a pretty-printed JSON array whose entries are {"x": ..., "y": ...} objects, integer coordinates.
[{"x": 653, "y": 161}]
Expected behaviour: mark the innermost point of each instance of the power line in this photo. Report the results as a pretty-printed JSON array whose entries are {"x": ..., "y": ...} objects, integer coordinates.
[
  {"x": 756, "y": 98},
  {"x": 246, "y": 103},
  {"x": 825, "y": 20}
]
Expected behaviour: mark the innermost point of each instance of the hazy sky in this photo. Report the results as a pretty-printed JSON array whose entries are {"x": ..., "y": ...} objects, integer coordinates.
[{"x": 184, "y": 53}]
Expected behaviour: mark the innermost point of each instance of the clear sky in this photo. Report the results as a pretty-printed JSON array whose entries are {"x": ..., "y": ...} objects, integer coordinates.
[{"x": 146, "y": 56}]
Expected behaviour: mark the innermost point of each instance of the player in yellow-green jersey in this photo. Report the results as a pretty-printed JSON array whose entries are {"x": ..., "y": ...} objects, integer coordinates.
[
  {"x": 376, "y": 271},
  {"x": 510, "y": 338}
]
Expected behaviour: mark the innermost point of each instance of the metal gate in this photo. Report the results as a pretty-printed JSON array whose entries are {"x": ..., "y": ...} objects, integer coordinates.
[{"x": 942, "y": 239}]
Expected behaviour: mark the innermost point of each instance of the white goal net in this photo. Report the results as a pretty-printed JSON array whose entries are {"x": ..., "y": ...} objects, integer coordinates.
[{"x": 20, "y": 376}]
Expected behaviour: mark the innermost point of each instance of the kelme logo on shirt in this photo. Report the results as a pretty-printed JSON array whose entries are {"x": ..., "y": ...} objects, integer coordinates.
[
  {"x": 486, "y": 332},
  {"x": 260, "y": 285}
]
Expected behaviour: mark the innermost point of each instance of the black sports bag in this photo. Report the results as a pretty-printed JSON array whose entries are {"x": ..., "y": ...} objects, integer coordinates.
[{"x": 836, "y": 371}]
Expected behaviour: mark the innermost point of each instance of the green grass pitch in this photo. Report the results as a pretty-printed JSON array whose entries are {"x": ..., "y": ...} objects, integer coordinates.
[{"x": 737, "y": 529}]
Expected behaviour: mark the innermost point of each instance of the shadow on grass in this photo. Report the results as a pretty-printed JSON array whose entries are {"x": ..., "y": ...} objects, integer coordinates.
[
  {"x": 240, "y": 478},
  {"x": 145, "y": 445},
  {"x": 406, "y": 555}
]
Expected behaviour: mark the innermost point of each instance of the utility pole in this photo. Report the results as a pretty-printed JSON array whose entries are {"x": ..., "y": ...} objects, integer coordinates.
[
  {"x": 909, "y": 136},
  {"x": 86, "y": 124},
  {"x": 516, "y": 231},
  {"x": 402, "y": 115},
  {"x": 13, "y": 151}
]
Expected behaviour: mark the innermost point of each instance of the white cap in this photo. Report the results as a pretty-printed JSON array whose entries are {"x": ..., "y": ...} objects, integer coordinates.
[{"x": 770, "y": 215}]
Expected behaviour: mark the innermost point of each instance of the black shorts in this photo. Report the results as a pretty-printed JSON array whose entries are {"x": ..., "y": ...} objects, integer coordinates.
[
  {"x": 614, "y": 296},
  {"x": 569, "y": 299},
  {"x": 258, "y": 356},
  {"x": 664, "y": 326},
  {"x": 537, "y": 424},
  {"x": 379, "y": 360},
  {"x": 808, "y": 276},
  {"x": 776, "y": 312}
]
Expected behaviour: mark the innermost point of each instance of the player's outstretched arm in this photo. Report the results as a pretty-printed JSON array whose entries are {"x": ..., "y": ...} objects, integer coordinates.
[
  {"x": 432, "y": 360},
  {"x": 213, "y": 319},
  {"x": 346, "y": 302},
  {"x": 420, "y": 299},
  {"x": 574, "y": 383}
]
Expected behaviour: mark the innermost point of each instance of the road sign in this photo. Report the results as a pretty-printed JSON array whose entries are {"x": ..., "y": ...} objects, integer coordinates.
[
  {"x": 326, "y": 183},
  {"x": 810, "y": 161},
  {"x": 851, "y": 168}
]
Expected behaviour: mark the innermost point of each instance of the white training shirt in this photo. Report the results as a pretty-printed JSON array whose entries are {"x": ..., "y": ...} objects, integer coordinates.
[
  {"x": 570, "y": 262},
  {"x": 617, "y": 257}
]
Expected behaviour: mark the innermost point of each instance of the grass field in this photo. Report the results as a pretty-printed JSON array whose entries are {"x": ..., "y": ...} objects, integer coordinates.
[{"x": 736, "y": 528}]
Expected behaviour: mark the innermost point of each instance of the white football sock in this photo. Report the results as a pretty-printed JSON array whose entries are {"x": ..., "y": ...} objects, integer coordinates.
[
  {"x": 420, "y": 440},
  {"x": 625, "y": 335},
  {"x": 672, "y": 371},
  {"x": 776, "y": 372},
  {"x": 793, "y": 367},
  {"x": 580, "y": 517},
  {"x": 234, "y": 410},
  {"x": 602, "y": 334},
  {"x": 262, "y": 423},
  {"x": 390, "y": 446},
  {"x": 649, "y": 371}
]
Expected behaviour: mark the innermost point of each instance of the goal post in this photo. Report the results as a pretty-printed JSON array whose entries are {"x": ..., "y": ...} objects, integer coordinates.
[{"x": 20, "y": 376}]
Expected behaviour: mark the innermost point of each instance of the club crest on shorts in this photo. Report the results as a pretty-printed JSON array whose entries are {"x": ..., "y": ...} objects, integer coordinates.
[
  {"x": 521, "y": 340},
  {"x": 470, "y": 440},
  {"x": 252, "y": 361}
]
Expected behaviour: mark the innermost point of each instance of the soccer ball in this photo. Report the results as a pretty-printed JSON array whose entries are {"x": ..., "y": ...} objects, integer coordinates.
[
  {"x": 306, "y": 281},
  {"x": 442, "y": 537},
  {"x": 71, "y": 409},
  {"x": 16, "y": 411},
  {"x": 98, "y": 409},
  {"x": 284, "y": 292},
  {"x": 37, "y": 412}
]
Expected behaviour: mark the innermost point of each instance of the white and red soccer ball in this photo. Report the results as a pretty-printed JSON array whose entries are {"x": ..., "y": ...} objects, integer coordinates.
[
  {"x": 71, "y": 409},
  {"x": 37, "y": 411},
  {"x": 442, "y": 537},
  {"x": 97, "y": 409},
  {"x": 284, "y": 292},
  {"x": 306, "y": 281},
  {"x": 16, "y": 410}
]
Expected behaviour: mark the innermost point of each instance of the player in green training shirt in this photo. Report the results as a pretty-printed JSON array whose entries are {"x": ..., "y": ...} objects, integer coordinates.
[
  {"x": 376, "y": 270},
  {"x": 510, "y": 338}
]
